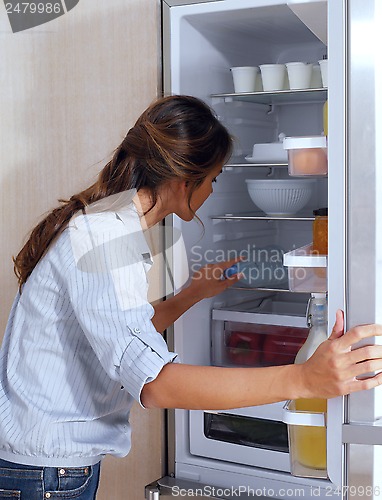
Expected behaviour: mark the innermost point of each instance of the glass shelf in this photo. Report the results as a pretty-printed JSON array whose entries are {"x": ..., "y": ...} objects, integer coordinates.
[
  {"x": 279, "y": 96},
  {"x": 263, "y": 216},
  {"x": 249, "y": 164},
  {"x": 260, "y": 289}
]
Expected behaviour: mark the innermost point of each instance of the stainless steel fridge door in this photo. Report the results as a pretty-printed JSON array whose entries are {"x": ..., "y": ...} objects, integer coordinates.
[
  {"x": 363, "y": 233},
  {"x": 337, "y": 156}
]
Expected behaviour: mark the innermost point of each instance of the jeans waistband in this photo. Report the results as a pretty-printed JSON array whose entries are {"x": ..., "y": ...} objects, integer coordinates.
[{"x": 49, "y": 461}]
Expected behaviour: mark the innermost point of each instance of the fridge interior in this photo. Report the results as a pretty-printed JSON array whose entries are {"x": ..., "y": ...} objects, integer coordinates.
[
  {"x": 209, "y": 45},
  {"x": 206, "y": 43}
]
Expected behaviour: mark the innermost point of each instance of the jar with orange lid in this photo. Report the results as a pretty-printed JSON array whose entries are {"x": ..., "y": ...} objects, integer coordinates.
[{"x": 320, "y": 231}]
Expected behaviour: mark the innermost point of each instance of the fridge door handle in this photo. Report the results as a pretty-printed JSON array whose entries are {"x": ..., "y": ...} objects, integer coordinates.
[{"x": 370, "y": 434}]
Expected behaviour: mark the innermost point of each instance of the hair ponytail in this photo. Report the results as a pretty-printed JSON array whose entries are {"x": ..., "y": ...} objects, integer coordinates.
[{"x": 176, "y": 137}]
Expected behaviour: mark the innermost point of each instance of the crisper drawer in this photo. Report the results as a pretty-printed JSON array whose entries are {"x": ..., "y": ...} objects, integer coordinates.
[
  {"x": 243, "y": 439},
  {"x": 256, "y": 339}
]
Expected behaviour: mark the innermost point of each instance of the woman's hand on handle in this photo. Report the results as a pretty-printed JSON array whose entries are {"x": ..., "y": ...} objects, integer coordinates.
[{"x": 334, "y": 368}]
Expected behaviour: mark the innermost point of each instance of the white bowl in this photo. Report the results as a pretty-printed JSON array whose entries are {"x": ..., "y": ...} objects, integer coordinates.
[{"x": 280, "y": 196}]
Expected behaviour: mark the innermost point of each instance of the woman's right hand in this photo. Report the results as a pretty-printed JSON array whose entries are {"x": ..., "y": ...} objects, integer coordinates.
[{"x": 334, "y": 368}]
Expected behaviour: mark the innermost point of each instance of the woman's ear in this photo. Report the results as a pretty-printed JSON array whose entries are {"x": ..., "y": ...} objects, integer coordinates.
[
  {"x": 182, "y": 186},
  {"x": 179, "y": 187}
]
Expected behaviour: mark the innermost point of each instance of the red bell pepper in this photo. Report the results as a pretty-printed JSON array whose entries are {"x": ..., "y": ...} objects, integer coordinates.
[{"x": 244, "y": 348}]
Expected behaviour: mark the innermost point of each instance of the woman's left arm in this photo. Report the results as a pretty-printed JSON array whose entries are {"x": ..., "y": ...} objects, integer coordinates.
[{"x": 208, "y": 281}]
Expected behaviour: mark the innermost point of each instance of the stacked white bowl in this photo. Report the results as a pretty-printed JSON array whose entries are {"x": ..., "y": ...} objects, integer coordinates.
[{"x": 280, "y": 196}]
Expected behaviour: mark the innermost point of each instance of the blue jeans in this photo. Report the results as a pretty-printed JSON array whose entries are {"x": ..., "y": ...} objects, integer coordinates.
[{"x": 28, "y": 482}]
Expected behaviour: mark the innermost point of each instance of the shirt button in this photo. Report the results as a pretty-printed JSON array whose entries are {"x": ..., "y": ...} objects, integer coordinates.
[
  {"x": 47, "y": 495},
  {"x": 61, "y": 472},
  {"x": 137, "y": 330}
]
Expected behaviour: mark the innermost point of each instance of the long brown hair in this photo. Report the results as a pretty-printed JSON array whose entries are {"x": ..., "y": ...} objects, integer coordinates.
[{"x": 176, "y": 137}]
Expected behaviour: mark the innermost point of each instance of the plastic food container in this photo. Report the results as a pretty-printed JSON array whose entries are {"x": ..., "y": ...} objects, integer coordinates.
[
  {"x": 324, "y": 71},
  {"x": 306, "y": 270},
  {"x": 307, "y": 155},
  {"x": 244, "y": 78},
  {"x": 299, "y": 75},
  {"x": 273, "y": 76},
  {"x": 271, "y": 152}
]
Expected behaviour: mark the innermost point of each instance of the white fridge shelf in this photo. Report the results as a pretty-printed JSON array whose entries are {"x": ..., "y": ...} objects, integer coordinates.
[{"x": 277, "y": 96}]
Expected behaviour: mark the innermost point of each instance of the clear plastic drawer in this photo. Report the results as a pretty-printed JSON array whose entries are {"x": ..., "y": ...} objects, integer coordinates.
[{"x": 256, "y": 339}]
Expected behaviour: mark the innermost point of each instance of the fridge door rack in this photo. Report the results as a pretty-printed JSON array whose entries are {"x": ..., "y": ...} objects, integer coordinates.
[
  {"x": 306, "y": 270},
  {"x": 258, "y": 165},
  {"x": 301, "y": 417},
  {"x": 262, "y": 216},
  {"x": 279, "y": 97},
  {"x": 309, "y": 426},
  {"x": 305, "y": 257},
  {"x": 261, "y": 289}
]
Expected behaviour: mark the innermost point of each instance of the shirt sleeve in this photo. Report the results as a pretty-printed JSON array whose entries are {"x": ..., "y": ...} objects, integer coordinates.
[{"x": 109, "y": 298}]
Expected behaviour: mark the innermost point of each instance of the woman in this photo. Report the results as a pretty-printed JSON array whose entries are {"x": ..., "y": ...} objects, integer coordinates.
[{"x": 82, "y": 341}]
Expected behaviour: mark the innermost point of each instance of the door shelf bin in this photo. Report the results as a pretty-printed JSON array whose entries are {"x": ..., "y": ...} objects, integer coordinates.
[
  {"x": 306, "y": 420},
  {"x": 307, "y": 270},
  {"x": 256, "y": 339}
]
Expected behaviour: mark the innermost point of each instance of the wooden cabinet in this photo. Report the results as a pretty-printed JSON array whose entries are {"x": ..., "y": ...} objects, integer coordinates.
[{"x": 71, "y": 89}]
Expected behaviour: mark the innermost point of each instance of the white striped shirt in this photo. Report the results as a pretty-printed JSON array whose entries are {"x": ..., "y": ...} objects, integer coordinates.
[{"x": 79, "y": 346}]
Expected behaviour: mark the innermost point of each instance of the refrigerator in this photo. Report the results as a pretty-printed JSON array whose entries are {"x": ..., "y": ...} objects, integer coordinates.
[{"x": 244, "y": 452}]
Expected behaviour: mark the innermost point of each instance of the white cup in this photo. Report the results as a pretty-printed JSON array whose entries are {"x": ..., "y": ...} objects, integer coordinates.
[
  {"x": 316, "y": 81},
  {"x": 244, "y": 78},
  {"x": 324, "y": 71},
  {"x": 273, "y": 76},
  {"x": 299, "y": 74}
]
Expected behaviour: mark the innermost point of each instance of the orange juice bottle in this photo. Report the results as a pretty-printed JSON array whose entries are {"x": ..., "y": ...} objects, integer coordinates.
[{"x": 311, "y": 441}]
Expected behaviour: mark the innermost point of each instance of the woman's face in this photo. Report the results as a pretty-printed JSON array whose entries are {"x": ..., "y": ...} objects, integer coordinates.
[{"x": 200, "y": 194}]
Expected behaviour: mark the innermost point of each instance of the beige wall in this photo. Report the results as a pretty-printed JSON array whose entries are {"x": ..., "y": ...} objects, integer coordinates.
[{"x": 70, "y": 89}]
